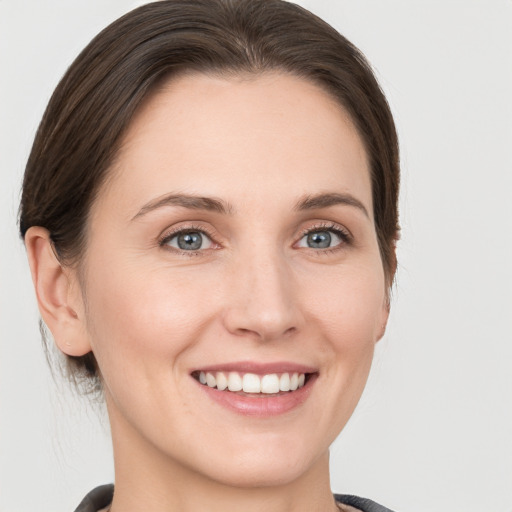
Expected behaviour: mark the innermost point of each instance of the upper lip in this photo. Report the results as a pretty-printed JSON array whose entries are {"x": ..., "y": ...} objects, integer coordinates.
[{"x": 258, "y": 368}]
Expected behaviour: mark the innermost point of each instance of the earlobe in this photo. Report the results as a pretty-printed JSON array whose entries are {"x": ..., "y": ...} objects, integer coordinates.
[
  {"x": 384, "y": 318},
  {"x": 57, "y": 293}
]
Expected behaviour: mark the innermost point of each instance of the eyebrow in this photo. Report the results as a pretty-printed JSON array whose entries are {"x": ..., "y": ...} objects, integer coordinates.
[
  {"x": 318, "y": 201},
  {"x": 191, "y": 202}
]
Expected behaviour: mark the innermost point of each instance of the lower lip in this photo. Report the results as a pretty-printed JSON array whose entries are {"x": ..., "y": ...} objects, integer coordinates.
[{"x": 261, "y": 405}]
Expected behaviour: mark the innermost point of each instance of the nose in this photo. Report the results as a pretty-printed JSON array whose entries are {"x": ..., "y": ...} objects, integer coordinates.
[{"x": 262, "y": 298}]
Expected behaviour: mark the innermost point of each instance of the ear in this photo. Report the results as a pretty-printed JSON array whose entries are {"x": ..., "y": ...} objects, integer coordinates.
[
  {"x": 389, "y": 279},
  {"x": 58, "y": 294},
  {"x": 384, "y": 316}
]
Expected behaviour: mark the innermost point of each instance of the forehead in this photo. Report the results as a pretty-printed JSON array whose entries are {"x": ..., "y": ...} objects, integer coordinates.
[{"x": 243, "y": 136}]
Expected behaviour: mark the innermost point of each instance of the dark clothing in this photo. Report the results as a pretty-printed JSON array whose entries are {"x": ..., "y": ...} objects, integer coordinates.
[
  {"x": 101, "y": 497},
  {"x": 98, "y": 498},
  {"x": 363, "y": 504}
]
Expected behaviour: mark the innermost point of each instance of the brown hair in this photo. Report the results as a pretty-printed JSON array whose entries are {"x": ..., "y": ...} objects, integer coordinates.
[{"x": 93, "y": 104}]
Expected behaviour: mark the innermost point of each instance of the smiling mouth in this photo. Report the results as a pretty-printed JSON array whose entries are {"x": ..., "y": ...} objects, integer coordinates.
[{"x": 251, "y": 384}]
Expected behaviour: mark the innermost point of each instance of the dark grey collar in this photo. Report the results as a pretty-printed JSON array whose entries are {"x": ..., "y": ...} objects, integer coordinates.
[{"x": 101, "y": 497}]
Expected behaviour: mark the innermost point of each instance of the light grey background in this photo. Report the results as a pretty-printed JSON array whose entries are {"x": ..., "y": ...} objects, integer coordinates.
[{"x": 433, "y": 431}]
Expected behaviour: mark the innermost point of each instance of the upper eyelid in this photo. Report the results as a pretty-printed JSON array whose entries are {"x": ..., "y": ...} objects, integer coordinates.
[
  {"x": 171, "y": 232},
  {"x": 327, "y": 226}
]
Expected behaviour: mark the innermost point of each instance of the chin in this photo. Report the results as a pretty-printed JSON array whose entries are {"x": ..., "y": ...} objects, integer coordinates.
[
  {"x": 266, "y": 462},
  {"x": 262, "y": 473}
]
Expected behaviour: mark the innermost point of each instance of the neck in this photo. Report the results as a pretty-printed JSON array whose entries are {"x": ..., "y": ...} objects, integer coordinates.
[{"x": 146, "y": 479}]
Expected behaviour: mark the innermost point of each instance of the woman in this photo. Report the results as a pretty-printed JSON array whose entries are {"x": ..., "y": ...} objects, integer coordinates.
[{"x": 210, "y": 216}]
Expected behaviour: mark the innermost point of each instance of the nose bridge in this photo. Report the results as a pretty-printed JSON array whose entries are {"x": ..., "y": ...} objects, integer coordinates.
[{"x": 262, "y": 299}]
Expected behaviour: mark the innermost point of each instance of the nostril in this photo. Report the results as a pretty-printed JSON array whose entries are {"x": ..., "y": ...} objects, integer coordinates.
[
  {"x": 290, "y": 331},
  {"x": 266, "y": 333},
  {"x": 262, "y": 306}
]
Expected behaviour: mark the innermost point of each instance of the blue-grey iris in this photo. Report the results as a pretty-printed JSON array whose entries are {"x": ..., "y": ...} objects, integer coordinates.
[
  {"x": 190, "y": 241},
  {"x": 319, "y": 240}
]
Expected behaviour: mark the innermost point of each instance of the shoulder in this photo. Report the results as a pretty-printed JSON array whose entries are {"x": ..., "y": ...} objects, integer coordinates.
[
  {"x": 98, "y": 498},
  {"x": 359, "y": 504}
]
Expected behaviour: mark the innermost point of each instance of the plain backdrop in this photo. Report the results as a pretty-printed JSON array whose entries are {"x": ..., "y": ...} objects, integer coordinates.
[{"x": 433, "y": 431}]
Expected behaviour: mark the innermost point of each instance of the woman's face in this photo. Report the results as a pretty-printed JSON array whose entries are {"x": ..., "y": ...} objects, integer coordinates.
[{"x": 235, "y": 242}]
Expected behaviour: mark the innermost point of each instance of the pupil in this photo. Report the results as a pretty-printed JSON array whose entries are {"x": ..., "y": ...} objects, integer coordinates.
[
  {"x": 319, "y": 240},
  {"x": 190, "y": 241}
]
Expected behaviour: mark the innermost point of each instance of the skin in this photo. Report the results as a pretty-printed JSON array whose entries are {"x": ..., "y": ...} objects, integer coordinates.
[{"x": 257, "y": 292}]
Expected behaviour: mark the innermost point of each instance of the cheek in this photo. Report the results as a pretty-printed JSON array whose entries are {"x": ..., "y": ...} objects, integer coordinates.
[
  {"x": 347, "y": 313},
  {"x": 351, "y": 313},
  {"x": 143, "y": 315},
  {"x": 350, "y": 305}
]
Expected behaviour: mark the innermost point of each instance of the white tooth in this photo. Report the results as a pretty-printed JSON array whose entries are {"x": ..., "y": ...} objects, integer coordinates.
[
  {"x": 210, "y": 380},
  {"x": 294, "y": 382},
  {"x": 270, "y": 383},
  {"x": 222, "y": 381},
  {"x": 234, "y": 381},
  {"x": 251, "y": 383},
  {"x": 284, "y": 382},
  {"x": 302, "y": 378},
  {"x": 202, "y": 378}
]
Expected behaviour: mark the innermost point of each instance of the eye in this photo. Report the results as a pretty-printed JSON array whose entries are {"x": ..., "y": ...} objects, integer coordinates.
[
  {"x": 324, "y": 238},
  {"x": 188, "y": 240}
]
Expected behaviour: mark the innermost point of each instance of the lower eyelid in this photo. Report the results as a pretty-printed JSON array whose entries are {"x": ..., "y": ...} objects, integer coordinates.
[
  {"x": 168, "y": 236},
  {"x": 206, "y": 240},
  {"x": 343, "y": 235},
  {"x": 163, "y": 241}
]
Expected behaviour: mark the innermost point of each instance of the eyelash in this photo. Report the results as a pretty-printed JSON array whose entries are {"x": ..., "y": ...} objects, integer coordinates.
[
  {"x": 342, "y": 233},
  {"x": 168, "y": 236}
]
